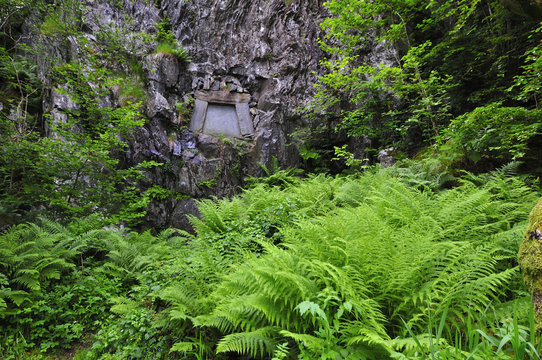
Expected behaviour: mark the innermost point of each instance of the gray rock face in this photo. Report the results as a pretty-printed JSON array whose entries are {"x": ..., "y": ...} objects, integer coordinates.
[
  {"x": 162, "y": 71},
  {"x": 265, "y": 49},
  {"x": 385, "y": 157},
  {"x": 264, "y": 52}
]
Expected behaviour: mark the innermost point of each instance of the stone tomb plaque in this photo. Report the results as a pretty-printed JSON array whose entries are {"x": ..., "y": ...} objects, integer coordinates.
[
  {"x": 222, "y": 113},
  {"x": 221, "y": 119}
]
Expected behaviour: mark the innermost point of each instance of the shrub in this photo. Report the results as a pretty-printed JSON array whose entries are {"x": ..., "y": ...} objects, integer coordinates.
[
  {"x": 370, "y": 252},
  {"x": 132, "y": 91},
  {"x": 493, "y": 132}
]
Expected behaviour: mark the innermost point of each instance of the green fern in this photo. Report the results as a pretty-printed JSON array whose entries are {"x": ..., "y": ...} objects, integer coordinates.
[
  {"x": 275, "y": 176},
  {"x": 30, "y": 257},
  {"x": 254, "y": 343},
  {"x": 390, "y": 250}
]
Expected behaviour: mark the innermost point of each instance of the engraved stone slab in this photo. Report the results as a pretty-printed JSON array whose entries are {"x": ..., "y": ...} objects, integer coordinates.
[
  {"x": 222, "y": 113},
  {"x": 221, "y": 120}
]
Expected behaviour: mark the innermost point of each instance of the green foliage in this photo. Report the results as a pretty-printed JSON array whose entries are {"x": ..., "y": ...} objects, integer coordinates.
[
  {"x": 58, "y": 283},
  {"x": 132, "y": 91},
  {"x": 75, "y": 170},
  {"x": 12, "y": 14},
  {"x": 430, "y": 173},
  {"x": 307, "y": 153},
  {"x": 63, "y": 18},
  {"x": 167, "y": 44},
  {"x": 253, "y": 343},
  {"x": 323, "y": 268},
  {"x": 505, "y": 338},
  {"x": 67, "y": 162},
  {"x": 178, "y": 51},
  {"x": 444, "y": 58},
  {"x": 21, "y": 89},
  {"x": 184, "y": 109},
  {"x": 281, "y": 352},
  {"x": 274, "y": 175},
  {"x": 134, "y": 335},
  {"x": 348, "y": 260},
  {"x": 30, "y": 259},
  {"x": 40, "y": 310},
  {"x": 493, "y": 132},
  {"x": 391, "y": 263},
  {"x": 516, "y": 339},
  {"x": 349, "y": 159},
  {"x": 529, "y": 81}
]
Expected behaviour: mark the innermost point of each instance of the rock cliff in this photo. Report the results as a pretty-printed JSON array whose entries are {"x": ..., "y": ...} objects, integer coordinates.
[{"x": 255, "y": 60}]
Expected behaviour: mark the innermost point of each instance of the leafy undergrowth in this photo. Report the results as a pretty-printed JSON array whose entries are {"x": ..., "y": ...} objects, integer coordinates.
[{"x": 376, "y": 266}]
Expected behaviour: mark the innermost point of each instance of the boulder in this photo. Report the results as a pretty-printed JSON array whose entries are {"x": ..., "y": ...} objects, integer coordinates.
[{"x": 530, "y": 261}]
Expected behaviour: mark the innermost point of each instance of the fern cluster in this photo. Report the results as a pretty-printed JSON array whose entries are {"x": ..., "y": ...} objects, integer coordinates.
[
  {"x": 31, "y": 257},
  {"x": 56, "y": 282},
  {"x": 356, "y": 267},
  {"x": 366, "y": 253}
]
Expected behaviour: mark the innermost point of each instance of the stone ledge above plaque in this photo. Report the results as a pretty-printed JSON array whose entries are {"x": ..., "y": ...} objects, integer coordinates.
[
  {"x": 222, "y": 97},
  {"x": 222, "y": 113}
]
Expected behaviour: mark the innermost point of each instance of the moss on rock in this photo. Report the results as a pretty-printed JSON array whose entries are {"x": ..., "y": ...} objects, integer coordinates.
[{"x": 530, "y": 260}]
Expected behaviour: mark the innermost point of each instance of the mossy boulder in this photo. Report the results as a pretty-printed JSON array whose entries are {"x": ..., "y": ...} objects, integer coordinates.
[{"x": 530, "y": 260}]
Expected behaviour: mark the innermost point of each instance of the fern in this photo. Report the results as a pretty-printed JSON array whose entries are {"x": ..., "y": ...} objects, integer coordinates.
[
  {"x": 275, "y": 176},
  {"x": 130, "y": 253},
  {"x": 313, "y": 343},
  {"x": 29, "y": 257},
  {"x": 390, "y": 250},
  {"x": 253, "y": 343}
]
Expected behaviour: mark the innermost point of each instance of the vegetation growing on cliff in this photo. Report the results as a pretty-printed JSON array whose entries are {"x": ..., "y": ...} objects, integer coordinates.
[{"x": 67, "y": 162}]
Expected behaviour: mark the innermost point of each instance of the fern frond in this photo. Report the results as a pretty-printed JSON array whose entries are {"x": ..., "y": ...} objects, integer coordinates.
[
  {"x": 211, "y": 219},
  {"x": 358, "y": 333},
  {"x": 313, "y": 343},
  {"x": 186, "y": 302},
  {"x": 17, "y": 296},
  {"x": 254, "y": 343},
  {"x": 388, "y": 250},
  {"x": 182, "y": 346},
  {"x": 172, "y": 235},
  {"x": 52, "y": 227},
  {"x": 28, "y": 278},
  {"x": 273, "y": 312},
  {"x": 409, "y": 345}
]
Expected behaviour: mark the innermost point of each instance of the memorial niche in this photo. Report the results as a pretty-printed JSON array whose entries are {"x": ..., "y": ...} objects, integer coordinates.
[
  {"x": 222, "y": 113},
  {"x": 221, "y": 119}
]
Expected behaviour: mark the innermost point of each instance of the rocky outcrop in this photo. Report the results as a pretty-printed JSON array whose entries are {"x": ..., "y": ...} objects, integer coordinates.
[
  {"x": 253, "y": 64},
  {"x": 265, "y": 51}
]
